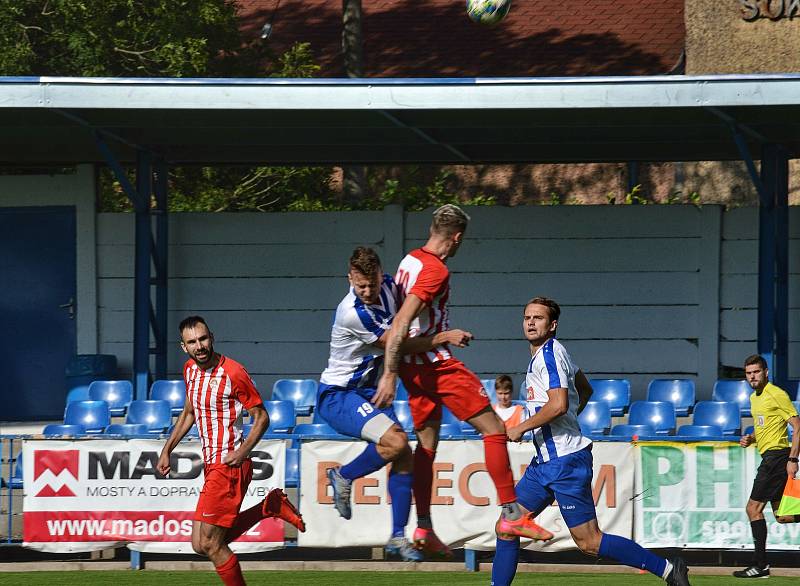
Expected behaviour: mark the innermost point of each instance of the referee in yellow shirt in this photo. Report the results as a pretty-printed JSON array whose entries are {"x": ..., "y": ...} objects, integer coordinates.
[{"x": 772, "y": 410}]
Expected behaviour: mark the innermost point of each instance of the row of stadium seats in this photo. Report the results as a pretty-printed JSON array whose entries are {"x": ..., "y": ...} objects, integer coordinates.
[
  {"x": 154, "y": 417},
  {"x": 709, "y": 418},
  {"x": 616, "y": 393}
]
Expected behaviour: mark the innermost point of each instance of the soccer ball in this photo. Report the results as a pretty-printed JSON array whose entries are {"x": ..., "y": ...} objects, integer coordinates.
[{"x": 488, "y": 12}]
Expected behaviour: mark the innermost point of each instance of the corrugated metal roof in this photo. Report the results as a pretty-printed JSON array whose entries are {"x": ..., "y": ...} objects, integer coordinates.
[{"x": 208, "y": 121}]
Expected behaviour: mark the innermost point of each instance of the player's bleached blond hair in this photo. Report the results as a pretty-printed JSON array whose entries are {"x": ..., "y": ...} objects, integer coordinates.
[{"x": 449, "y": 219}]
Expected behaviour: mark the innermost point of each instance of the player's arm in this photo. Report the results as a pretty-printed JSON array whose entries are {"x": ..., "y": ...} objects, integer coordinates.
[
  {"x": 418, "y": 344},
  {"x": 183, "y": 424},
  {"x": 584, "y": 388},
  {"x": 397, "y": 334},
  {"x": 260, "y": 419},
  {"x": 557, "y": 404}
]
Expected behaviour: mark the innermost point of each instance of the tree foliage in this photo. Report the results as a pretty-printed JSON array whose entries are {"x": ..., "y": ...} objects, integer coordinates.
[
  {"x": 140, "y": 38},
  {"x": 190, "y": 38}
]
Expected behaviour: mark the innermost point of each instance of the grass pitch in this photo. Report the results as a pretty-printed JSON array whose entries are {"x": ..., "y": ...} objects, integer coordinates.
[{"x": 311, "y": 578}]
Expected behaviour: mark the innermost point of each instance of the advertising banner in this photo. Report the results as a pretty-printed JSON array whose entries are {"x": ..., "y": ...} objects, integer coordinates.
[
  {"x": 694, "y": 496},
  {"x": 94, "y": 494},
  {"x": 464, "y": 505}
]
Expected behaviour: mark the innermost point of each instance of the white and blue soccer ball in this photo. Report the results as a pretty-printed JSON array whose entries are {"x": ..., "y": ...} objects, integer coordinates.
[{"x": 488, "y": 12}]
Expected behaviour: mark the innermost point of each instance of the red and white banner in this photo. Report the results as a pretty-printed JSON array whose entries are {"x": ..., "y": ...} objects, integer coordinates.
[
  {"x": 95, "y": 494},
  {"x": 464, "y": 504}
]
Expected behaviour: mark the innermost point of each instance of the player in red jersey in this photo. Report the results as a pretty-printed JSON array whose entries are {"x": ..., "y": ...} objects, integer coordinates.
[
  {"x": 435, "y": 378},
  {"x": 218, "y": 389}
]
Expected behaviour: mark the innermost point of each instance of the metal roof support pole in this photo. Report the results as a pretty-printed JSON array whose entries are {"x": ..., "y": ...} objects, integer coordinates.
[
  {"x": 633, "y": 175},
  {"x": 141, "y": 288},
  {"x": 160, "y": 259},
  {"x": 773, "y": 261},
  {"x": 142, "y": 317}
]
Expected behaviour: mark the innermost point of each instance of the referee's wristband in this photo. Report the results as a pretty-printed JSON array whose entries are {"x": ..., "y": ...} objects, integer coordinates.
[{"x": 795, "y": 460}]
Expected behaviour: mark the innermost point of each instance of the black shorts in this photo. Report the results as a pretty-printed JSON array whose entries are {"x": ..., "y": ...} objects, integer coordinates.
[{"x": 771, "y": 476}]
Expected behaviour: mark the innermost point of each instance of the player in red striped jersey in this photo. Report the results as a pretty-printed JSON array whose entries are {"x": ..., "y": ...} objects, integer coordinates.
[
  {"x": 218, "y": 389},
  {"x": 436, "y": 378}
]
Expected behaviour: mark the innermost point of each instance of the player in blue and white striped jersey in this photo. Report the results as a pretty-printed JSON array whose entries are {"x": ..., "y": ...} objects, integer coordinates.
[
  {"x": 561, "y": 470},
  {"x": 347, "y": 386}
]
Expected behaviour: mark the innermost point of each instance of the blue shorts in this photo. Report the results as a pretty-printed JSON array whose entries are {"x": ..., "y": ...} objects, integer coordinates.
[
  {"x": 350, "y": 412},
  {"x": 567, "y": 480}
]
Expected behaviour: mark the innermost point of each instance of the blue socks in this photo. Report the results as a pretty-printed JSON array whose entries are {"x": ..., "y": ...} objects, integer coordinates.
[
  {"x": 400, "y": 491},
  {"x": 365, "y": 463},
  {"x": 504, "y": 566},
  {"x": 631, "y": 554}
]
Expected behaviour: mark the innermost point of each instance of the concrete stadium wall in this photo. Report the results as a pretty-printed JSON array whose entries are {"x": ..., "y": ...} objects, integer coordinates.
[{"x": 646, "y": 291}]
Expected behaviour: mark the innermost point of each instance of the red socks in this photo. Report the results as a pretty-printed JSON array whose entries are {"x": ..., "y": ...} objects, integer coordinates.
[
  {"x": 498, "y": 465},
  {"x": 423, "y": 479},
  {"x": 231, "y": 572},
  {"x": 244, "y": 521}
]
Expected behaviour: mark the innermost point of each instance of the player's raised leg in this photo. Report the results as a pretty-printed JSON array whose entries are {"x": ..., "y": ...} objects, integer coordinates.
[
  {"x": 425, "y": 539},
  {"x": 400, "y": 484},
  {"x": 498, "y": 465},
  {"x": 351, "y": 413},
  {"x": 275, "y": 504}
]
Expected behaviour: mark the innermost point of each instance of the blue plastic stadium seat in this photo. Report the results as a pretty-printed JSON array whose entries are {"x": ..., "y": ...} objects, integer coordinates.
[
  {"x": 126, "y": 429},
  {"x": 292, "y": 467},
  {"x": 80, "y": 393},
  {"x": 171, "y": 391},
  {"x": 448, "y": 430},
  {"x": 246, "y": 427},
  {"x": 117, "y": 393},
  {"x": 680, "y": 392},
  {"x": 615, "y": 392},
  {"x": 403, "y": 413},
  {"x": 282, "y": 418},
  {"x": 523, "y": 391},
  {"x": 449, "y": 417},
  {"x": 796, "y": 406},
  {"x": 401, "y": 392},
  {"x": 700, "y": 431},
  {"x": 595, "y": 419},
  {"x": 628, "y": 430},
  {"x": 720, "y": 413},
  {"x": 660, "y": 415},
  {"x": 94, "y": 416},
  {"x": 191, "y": 434},
  {"x": 794, "y": 389},
  {"x": 488, "y": 385},
  {"x": 302, "y": 392},
  {"x": 467, "y": 429},
  {"x": 733, "y": 391},
  {"x": 16, "y": 478},
  {"x": 310, "y": 430},
  {"x": 156, "y": 415},
  {"x": 55, "y": 429}
]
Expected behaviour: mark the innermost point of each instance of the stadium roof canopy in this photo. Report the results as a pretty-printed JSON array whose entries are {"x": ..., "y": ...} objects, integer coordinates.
[
  {"x": 161, "y": 122},
  {"x": 50, "y": 120}
]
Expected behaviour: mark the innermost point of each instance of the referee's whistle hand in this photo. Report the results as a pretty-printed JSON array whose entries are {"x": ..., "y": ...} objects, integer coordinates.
[{"x": 746, "y": 440}]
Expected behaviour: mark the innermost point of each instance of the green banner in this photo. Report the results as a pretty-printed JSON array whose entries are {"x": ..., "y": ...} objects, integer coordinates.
[{"x": 694, "y": 496}]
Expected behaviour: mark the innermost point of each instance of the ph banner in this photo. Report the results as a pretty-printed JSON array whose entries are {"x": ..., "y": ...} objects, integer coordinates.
[
  {"x": 464, "y": 506},
  {"x": 86, "y": 495},
  {"x": 694, "y": 496}
]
